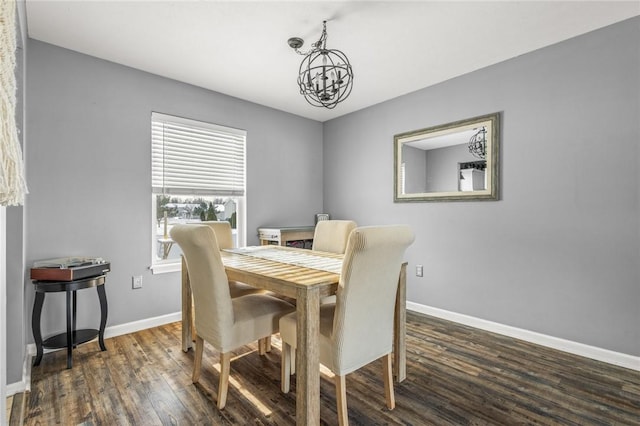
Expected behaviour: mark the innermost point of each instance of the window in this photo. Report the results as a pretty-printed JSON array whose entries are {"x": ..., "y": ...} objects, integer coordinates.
[{"x": 197, "y": 173}]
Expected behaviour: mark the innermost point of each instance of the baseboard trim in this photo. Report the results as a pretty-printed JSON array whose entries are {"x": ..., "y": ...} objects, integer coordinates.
[
  {"x": 117, "y": 330},
  {"x": 599, "y": 354},
  {"x": 25, "y": 384},
  {"x": 132, "y": 327}
]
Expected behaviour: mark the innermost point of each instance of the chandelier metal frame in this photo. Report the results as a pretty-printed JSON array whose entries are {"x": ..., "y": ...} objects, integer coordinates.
[
  {"x": 478, "y": 143},
  {"x": 325, "y": 77}
]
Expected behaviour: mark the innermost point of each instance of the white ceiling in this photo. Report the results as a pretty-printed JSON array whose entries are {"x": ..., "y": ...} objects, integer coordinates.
[{"x": 239, "y": 48}]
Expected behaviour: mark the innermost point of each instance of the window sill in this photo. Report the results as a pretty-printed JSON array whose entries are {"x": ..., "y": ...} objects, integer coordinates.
[{"x": 163, "y": 268}]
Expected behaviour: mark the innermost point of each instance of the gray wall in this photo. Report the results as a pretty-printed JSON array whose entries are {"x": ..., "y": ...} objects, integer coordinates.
[
  {"x": 442, "y": 167},
  {"x": 433, "y": 170},
  {"x": 415, "y": 170},
  {"x": 89, "y": 173},
  {"x": 559, "y": 253}
]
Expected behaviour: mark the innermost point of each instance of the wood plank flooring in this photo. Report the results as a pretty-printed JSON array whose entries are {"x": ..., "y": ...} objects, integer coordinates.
[{"x": 456, "y": 375}]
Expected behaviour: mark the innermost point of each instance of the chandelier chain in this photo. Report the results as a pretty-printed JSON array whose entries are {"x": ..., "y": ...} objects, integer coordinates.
[{"x": 318, "y": 45}]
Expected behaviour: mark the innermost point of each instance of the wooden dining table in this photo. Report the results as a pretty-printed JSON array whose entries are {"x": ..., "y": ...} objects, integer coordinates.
[{"x": 306, "y": 276}]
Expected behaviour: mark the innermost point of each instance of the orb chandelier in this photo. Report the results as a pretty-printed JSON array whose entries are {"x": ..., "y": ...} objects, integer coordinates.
[
  {"x": 478, "y": 143},
  {"x": 325, "y": 77}
]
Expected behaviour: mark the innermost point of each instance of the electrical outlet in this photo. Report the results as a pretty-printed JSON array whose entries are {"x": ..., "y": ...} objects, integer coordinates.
[
  {"x": 136, "y": 282},
  {"x": 418, "y": 270}
]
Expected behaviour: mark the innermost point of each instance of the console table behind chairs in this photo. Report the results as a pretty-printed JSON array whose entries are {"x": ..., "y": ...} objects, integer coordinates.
[{"x": 72, "y": 337}]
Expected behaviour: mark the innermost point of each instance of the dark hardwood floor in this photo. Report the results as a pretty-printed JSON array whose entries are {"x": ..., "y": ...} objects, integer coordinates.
[{"x": 456, "y": 375}]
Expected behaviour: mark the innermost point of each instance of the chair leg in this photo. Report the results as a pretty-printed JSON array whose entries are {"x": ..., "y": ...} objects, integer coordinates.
[
  {"x": 194, "y": 336},
  {"x": 223, "y": 386},
  {"x": 388, "y": 382},
  {"x": 285, "y": 369},
  {"x": 341, "y": 399},
  {"x": 264, "y": 345},
  {"x": 197, "y": 362},
  {"x": 292, "y": 352}
]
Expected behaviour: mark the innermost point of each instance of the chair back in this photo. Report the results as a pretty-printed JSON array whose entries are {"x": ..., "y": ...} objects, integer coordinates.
[
  {"x": 209, "y": 282},
  {"x": 222, "y": 229},
  {"x": 332, "y": 235},
  {"x": 365, "y": 303}
]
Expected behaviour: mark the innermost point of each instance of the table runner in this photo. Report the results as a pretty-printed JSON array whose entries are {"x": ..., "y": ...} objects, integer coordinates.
[{"x": 306, "y": 258}]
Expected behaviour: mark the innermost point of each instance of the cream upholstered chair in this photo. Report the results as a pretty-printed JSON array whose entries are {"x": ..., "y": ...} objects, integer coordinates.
[
  {"x": 222, "y": 229},
  {"x": 224, "y": 322},
  {"x": 224, "y": 238},
  {"x": 332, "y": 235},
  {"x": 358, "y": 328}
]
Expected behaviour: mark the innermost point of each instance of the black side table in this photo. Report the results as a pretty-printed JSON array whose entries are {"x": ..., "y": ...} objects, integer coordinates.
[{"x": 72, "y": 337}]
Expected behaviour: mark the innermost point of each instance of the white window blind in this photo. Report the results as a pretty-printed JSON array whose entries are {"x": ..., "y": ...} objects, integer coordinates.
[{"x": 195, "y": 158}]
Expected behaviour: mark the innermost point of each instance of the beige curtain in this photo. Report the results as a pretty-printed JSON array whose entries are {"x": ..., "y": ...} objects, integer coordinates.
[{"x": 12, "y": 183}]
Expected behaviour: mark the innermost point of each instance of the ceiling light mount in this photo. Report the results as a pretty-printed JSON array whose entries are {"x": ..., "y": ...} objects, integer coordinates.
[
  {"x": 295, "y": 42},
  {"x": 325, "y": 77}
]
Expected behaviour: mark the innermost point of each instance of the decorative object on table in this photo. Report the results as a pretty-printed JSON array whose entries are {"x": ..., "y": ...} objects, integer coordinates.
[
  {"x": 322, "y": 216},
  {"x": 69, "y": 268},
  {"x": 325, "y": 76}
]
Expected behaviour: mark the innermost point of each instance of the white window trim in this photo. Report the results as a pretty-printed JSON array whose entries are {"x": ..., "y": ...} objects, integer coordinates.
[
  {"x": 175, "y": 265},
  {"x": 164, "y": 268},
  {"x": 159, "y": 266}
]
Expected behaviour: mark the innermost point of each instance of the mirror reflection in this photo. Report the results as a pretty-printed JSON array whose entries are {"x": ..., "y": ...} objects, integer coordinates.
[{"x": 453, "y": 161}]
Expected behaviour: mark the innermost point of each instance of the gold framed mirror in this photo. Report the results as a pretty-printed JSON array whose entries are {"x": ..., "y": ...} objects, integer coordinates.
[{"x": 450, "y": 162}]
